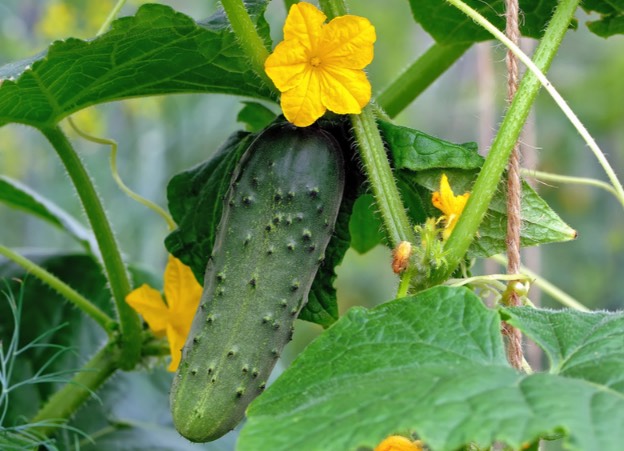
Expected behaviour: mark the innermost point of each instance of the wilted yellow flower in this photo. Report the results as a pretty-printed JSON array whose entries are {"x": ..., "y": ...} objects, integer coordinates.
[
  {"x": 399, "y": 443},
  {"x": 173, "y": 319},
  {"x": 319, "y": 67},
  {"x": 450, "y": 204}
]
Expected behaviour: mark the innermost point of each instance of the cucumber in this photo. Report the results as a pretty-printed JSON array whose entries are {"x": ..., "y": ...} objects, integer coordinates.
[{"x": 277, "y": 220}]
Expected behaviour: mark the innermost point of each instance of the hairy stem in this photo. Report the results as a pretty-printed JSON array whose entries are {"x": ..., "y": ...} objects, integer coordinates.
[
  {"x": 492, "y": 170},
  {"x": 106, "y": 322},
  {"x": 416, "y": 78},
  {"x": 64, "y": 403},
  {"x": 248, "y": 37},
  {"x": 379, "y": 175},
  {"x": 114, "y": 268}
]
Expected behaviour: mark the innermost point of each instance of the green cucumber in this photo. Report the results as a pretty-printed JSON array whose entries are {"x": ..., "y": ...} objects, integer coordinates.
[{"x": 277, "y": 220}]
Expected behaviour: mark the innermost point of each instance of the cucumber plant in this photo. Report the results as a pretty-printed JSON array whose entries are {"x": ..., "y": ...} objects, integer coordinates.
[{"x": 277, "y": 220}]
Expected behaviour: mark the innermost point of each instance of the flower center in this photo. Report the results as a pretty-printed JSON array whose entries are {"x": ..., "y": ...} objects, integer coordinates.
[{"x": 315, "y": 61}]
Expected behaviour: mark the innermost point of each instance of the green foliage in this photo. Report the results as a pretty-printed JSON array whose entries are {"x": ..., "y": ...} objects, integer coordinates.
[
  {"x": 611, "y": 17},
  {"x": 18, "y": 195},
  {"x": 255, "y": 116},
  {"x": 157, "y": 51},
  {"x": 448, "y": 25},
  {"x": 421, "y": 159},
  {"x": 435, "y": 364}
]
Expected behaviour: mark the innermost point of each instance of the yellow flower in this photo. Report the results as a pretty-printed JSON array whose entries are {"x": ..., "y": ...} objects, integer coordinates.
[
  {"x": 399, "y": 443},
  {"x": 174, "y": 318},
  {"x": 450, "y": 204},
  {"x": 319, "y": 66},
  {"x": 58, "y": 20}
]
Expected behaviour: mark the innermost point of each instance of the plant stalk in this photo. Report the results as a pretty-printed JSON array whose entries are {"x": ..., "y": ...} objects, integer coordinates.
[
  {"x": 64, "y": 403},
  {"x": 248, "y": 37},
  {"x": 114, "y": 267},
  {"x": 416, "y": 78},
  {"x": 496, "y": 161},
  {"x": 106, "y": 322}
]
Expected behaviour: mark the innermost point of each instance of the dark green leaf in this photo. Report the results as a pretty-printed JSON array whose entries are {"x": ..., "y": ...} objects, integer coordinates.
[
  {"x": 414, "y": 150},
  {"x": 195, "y": 201},
  {"x": 255, "y": 116},
  {"x": 433, "y": 364},
  {"x": 157, "y": 51},
  {"x": 365, "y": 225},
  {"x": 17, "y": 195},
  {"x": 582, "y": 345},
  {"x": 611, "y": 16},
  {"x": 448, "y": 25}
]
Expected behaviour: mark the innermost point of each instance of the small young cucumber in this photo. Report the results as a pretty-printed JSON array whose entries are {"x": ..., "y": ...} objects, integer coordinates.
[{"x": 277, "y": 220}]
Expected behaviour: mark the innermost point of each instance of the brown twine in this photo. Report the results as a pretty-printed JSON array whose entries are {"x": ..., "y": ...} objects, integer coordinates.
[{"x": 514, "y": 344}]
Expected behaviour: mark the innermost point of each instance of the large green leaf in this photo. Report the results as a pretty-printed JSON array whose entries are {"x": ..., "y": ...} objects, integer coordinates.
[
  {"x": 421, "y": 159},
  {"x": 18, "y": 195},
  {"x": 448, "y": 25},
  {"x": 611, "y": 20},
  {"x": 587, "y": 346},
  {"x": 433, "y": 364},
  {"x": 157, "y": 51}
]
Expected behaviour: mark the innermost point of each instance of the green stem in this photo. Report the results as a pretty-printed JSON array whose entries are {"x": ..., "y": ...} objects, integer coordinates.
[
  {"x": 424, "y": 71},
  {"x": 114, "y": 267},
  {"x": 248, "y": 37},
  {"x": 496, "y": 161},
  {"x": 558, "y": 178},
  {"x": 107, "y": 323},
  {"x": 111, "y": 16},
  {"x": 64, "y": 403},
  {"x": 333, "y": 8},
  {"x": 379, "y": 174}
]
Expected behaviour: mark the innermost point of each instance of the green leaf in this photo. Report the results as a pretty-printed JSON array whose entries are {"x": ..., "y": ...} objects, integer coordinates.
[
  {"x": 255, "y": 116},
  {"x": 365, "y": 225},
  {"x": 448, "y": 25},
  {"x": 611, "y": 17},
  {"x": 421, "y": 159},
  {"x": 433, "y": 364},
  {"x": 587, "y": 346},
  {"x": 157, "y": 51},
  {"x": 417, "y": 151},
  {"x": 195, "y": 200},
  {"x": 19, "y": 196}
]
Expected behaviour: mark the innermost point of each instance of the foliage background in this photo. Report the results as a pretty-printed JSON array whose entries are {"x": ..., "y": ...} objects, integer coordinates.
[{"x": 159, "y": 137}]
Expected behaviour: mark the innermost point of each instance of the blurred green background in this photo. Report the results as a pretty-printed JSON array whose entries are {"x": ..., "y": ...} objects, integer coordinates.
[{"x": 161, "y": 136}]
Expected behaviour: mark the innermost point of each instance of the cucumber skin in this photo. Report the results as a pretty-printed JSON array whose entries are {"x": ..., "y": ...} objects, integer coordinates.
[{"x": 277, "y": 220}]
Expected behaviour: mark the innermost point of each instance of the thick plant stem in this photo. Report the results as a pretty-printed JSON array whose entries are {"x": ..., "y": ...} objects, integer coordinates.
[
  {"x": 107, "y": 323},
  {"x": 379, "y": 174},
  {"x": 248, "y": 37},
  {"x": 114, "y": 268},
  {"x": 333, "y": 8},
  {"x": 64, "y": 403},
  {"x": 492, "y": 170},
  {"x": 416, "y": 78}
]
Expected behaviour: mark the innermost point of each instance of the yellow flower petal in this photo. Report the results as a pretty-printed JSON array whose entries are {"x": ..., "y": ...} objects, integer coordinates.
[
  {"x": 399, "y": 443},
  {"x": 287, "y": 65},
  {"x": 302, "y": 105},
  {"x": 344, "y": 91},
  {"x": 347, "y": 41},
  {"x": 450, "y": 204},
  {"x": 176, "y": 339},
  {"x": 303, "y": 23},
  {"x": 149, "y": 303},
  {"x": 182, "y": 291}
]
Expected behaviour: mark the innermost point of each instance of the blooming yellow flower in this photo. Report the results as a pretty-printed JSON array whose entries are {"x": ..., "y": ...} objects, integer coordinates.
[
  {"x": 319, "y": 67},
  {"x": 450, "y": 204},
  {"x": 174, "y": 318},
  {"x": 399, "y": 443}
]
